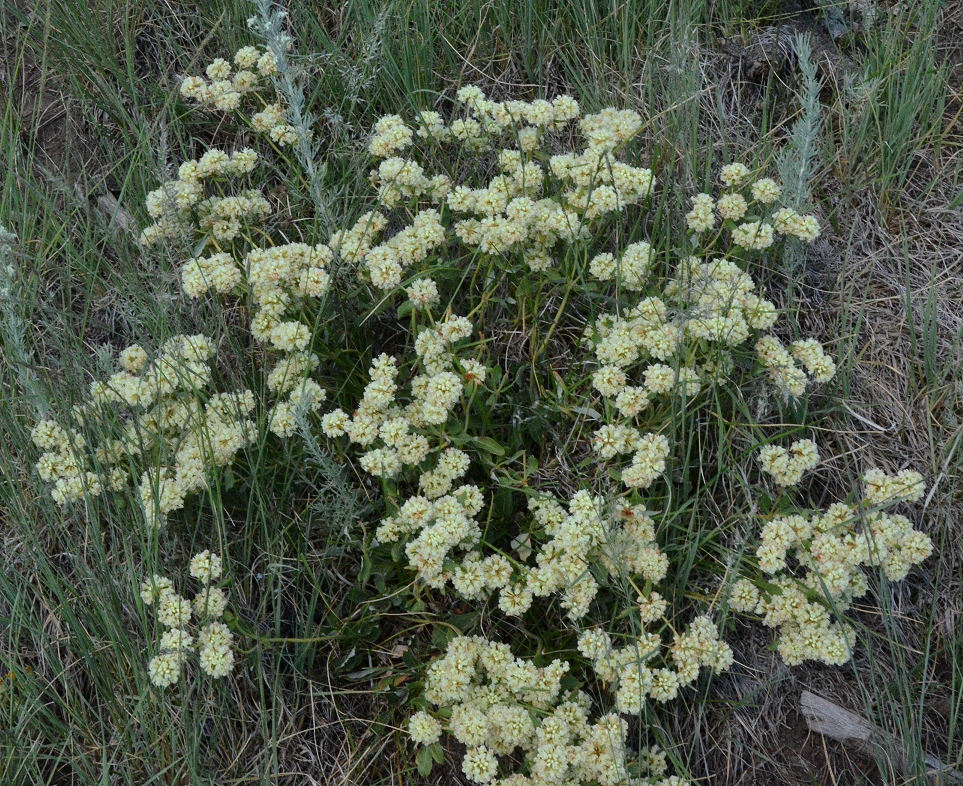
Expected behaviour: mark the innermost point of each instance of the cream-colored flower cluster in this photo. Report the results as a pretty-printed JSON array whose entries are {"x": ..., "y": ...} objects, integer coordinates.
[
  {"x": 64, "y": 464},
  {"x": 788, "y": 466},
  {"x": 161, "y": 416},
  {"x": 209, "y": 440},
  {"x": 166, "y": 409},
  {"x": 712, "y": 301},
  {"x": 815, "y": 566},
  {"x": 525, "y": 211},
  {"x": 279, "y": 281},
  {"x": 882, "y": 489},
  {"x": 228, "y": 90},
  {"x": 212, "y": 639},
  {"x": 498, "y": 705},
  {"x": 757, "y": 232},
  {"x": 634, "y": 672},
  {"x": 622, "y": 541},
  {"x": 386, "y": 262},
  {"x": 173, "y": 414},
  {"x": 719, "y": 301},
  {"x": 791, "y": 370},
  {"x": 671, "y": 324},
  {"x": 705, "y": 310},
  {"x": 681, "y": 331},
  {"x": 438, "y": 520},
  {"x": 810, "y": 354},
  {"x": 441, "y": 522},
  {"x": 512, "y": 213},
  {"x": 631, "y": 270},
  {"x": 181, "y": 207}
]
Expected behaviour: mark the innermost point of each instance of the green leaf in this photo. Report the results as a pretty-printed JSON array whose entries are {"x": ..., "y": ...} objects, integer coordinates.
[
  {"x": 424, "y": 761},
  {"x": 436, "y": 752},
  {"x": 570, "y": 682},
  {"x": 503, "y": 503},
  {"x": 441, "y": 635},
  {"x": 589, "y": 412},
  {"x": 531, "y": 465},
  {"x": 464, "y": 622},
  {"x": 489, "y": 445},
  {"x": 365, "y": 573},
  {"x": 366, "y": 673}
]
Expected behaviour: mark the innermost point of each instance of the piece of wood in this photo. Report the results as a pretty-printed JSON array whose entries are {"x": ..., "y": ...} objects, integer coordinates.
[
  {"x": 116, "y": 215},
  {"x": 838, "y": 723},
  {"x": 824, "y": 717}
]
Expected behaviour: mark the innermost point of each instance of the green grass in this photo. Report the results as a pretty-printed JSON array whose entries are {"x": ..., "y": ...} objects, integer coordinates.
[{"x": 334, "y": 652}]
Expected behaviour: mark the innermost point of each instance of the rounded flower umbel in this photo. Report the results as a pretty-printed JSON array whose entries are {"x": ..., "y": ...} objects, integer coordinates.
[
  {"x": 486, "y": 693},
  {"x": 211, "y": 638},
  {"x": 814, "y": 565},
  {"x": 788, "y": 466},
  {"x": 242, "y": 91}
]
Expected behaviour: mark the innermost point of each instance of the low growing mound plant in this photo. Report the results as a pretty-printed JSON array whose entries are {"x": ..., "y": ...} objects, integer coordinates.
[{"x": 534, "y": 371}]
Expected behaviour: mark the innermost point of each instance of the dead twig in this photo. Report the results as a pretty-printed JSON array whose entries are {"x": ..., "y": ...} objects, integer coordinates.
[{"x": 838, "y": 723}]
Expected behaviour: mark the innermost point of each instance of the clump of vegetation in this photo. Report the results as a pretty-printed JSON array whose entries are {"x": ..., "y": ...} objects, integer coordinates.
[{"x": 545, "y": 492}]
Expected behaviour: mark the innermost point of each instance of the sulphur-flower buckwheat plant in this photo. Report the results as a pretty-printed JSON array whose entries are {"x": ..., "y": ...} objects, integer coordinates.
[{"x": 487, "y": 219}]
